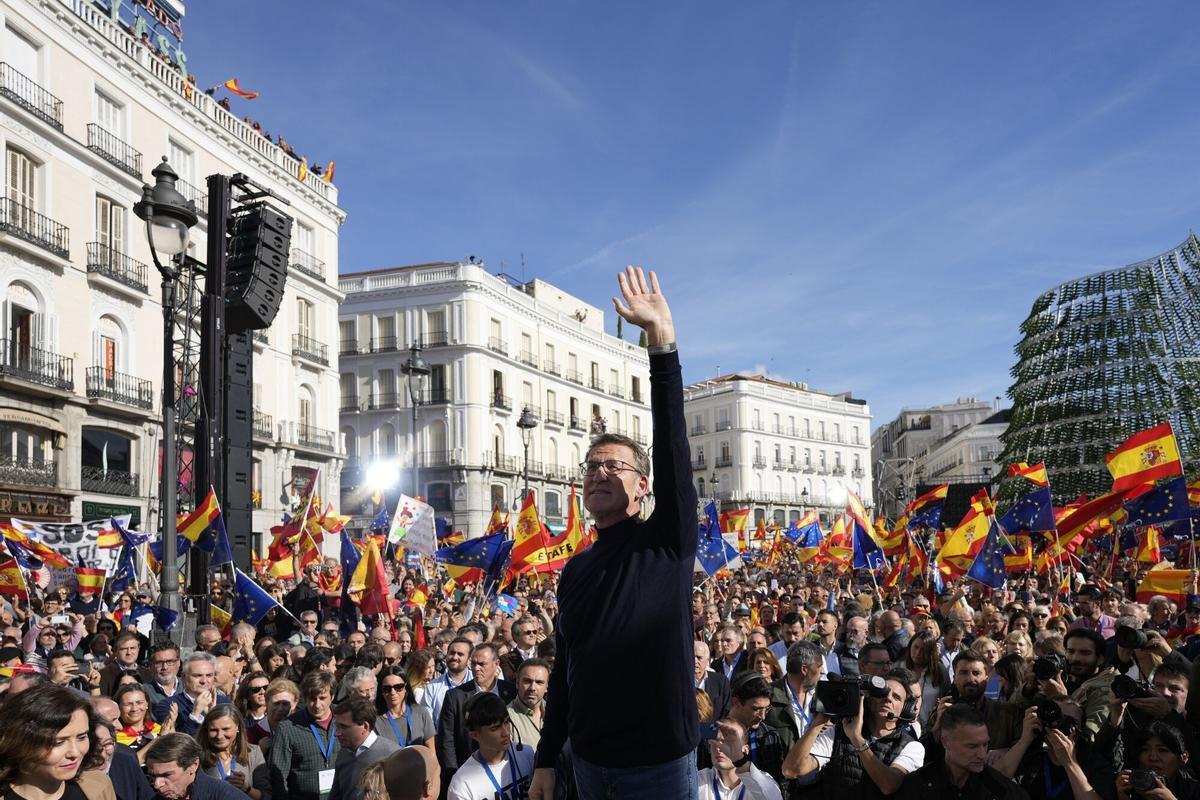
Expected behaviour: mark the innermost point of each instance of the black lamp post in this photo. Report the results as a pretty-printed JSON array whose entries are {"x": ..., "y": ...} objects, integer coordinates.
[
  {"x": 526, "y": 423},
  {"x": 169, "y": 219},
  {"x": 715, "y": 483},
  {"x": 417, "y": 370}
]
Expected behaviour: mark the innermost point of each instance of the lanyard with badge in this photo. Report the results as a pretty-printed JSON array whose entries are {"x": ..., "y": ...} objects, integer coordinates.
[
  {"x": 232, "y": 768},
  {"x": 512, "y": 765},
  {"x": 717, "y": 792},
  {"x": 325, "y": 776},
  {"x": 804, "y": 715},
  {"x": 403, "y": 741}
]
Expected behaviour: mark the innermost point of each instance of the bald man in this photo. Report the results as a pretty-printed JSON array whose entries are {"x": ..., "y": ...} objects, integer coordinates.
[
  {"x": 106, "y": 708},
  {"x": 412, "y": 773}
]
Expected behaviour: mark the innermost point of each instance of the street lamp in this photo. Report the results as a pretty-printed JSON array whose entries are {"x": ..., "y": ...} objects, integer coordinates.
[
  {"x": 169, "y": 219},
  {"x": 716, "y": 482},
  {"x": 526, "y": 423},
  {"x": 417, "y": 370}
]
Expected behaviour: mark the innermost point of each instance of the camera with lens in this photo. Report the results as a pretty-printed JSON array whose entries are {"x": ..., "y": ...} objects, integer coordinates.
[
  {"x": 1049, "y": 666},
  {"x": 838, "y": 695},
  {"x": 1131, "y": 638},
  {"x": 1127, "y": 688},
  {"x": 1143, "y": 780}
]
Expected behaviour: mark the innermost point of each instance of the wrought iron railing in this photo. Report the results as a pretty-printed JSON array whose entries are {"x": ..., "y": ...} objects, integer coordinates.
[
  {"x": 25, "y": 223},
  {"x": 578, "y": 424},
  {"x": 105, "y": 384},
  {"x": 316, "y": 438},
  {"x": 348, "y": 347},
  {"x": 116, "y": 152},
  {"x": 307, "y": 347},
  {"x": 259, "y": 335},
  {"x": 596, "y": 384},
  {"x": 36, "y": 365},
  {"x": 103, "y": 260},
  {"x": 724, "y": 461},
  {"x": 383, "y": 344},
  {"x": 551, "y": 367},
  {"x": 307, "y": 263},
  {"x": 264, "y": 425},
  {"x": 22, "y": 90},
  {"x": 528, "y": 359},
  {"x": 698, "y": 463},
  {"x": 435, "y": 397},
  {"x": 434, "y": 339},
  {"x": 349, "y": 403},
  {"x": 616, "y": 391},
  {"x": 28, "y": 471},
  {"x": 110, "y": 481},
  {"x": 380, "y": 400},
  {"x": 500, "y": 400},
  {"x": 190, "y": 192},
  {"x": 498, "y": 345},
  {"x": 574, "y": 377},
  {"x": 554, "y": 418},
  {"x": 698, "y": 430}
]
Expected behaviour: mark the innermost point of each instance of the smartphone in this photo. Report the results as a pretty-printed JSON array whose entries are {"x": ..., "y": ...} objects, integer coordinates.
[
  {"x": 708, "y": 730},
  {"x": 60, "y": 619}
]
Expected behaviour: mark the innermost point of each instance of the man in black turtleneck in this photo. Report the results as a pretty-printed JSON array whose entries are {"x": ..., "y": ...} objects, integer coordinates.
[{"x": 629, "y": 596}]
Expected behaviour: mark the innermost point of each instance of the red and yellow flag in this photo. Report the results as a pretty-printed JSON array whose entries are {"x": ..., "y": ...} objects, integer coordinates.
[
  {"x": 108, "y": 539},
  {"x": 734, "y": 520},
  {"x": 529, "y": 541},
  {"x": 307, "y": 552},
  {"x": 301, "y": 175},
  {"x": 193, "y": 524},
  {"x": 90, "y": 579},
  {"x": 1172, "y": 583},
  {"x": 12, "y": 582},
  {"x": 369, "y": 584},
  {"x": 221, "y": 618},
  {"x": 36, "y": 548},
  {"x": 1148, "y": 549},
  {"x": 1194, "y": 493},
  {"x": 1022, "y": 560},
  {"x": 329, "y": 173},
  {"x": 1084, "y": 519},
  {"x": 496, "y": 524},
  {"x": 1035, "y": 474},
  {"x": 235, "y": 88},
  {"x": 1145, "y": 457}
]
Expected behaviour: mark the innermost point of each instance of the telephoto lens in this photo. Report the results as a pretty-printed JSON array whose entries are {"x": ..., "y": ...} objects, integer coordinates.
[
  {"x": 1131, "y": 638},
  {"x": 1127, "y": 688}
]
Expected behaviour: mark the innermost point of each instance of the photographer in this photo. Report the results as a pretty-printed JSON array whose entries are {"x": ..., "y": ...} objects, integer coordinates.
[
  {"x": 1162, "y": 773},
  {"x": 1048, "y": 758},
  {"x": 970, "y": 679},
  {"x": 1133, "y": 708},
  {"x": 863, "y": 755},
  {"x": 1083, "y": 677}
]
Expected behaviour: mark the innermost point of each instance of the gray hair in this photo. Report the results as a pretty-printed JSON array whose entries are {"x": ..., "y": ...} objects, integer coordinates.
[
  {"x": 205, "y": 629},
  {"x": 356, "y": 675},
  {"x": 641, "y": 459},
  {"x": 803, "y": 654},
  {"x": 179, "y": 748},
  {"x": 198, "y": 655}
]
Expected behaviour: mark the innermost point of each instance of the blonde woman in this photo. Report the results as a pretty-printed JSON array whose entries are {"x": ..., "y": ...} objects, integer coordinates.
[{"x": 990, "y": 652}]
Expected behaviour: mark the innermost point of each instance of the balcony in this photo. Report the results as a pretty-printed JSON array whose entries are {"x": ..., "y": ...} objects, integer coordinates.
[
  {"x": 858, "y": 472},
  {"x": 497, "y": 344},
  {"x": 259, "y": 336},
  {"x": 112, "y": 481},
  {"x": 757, "y": 425},
  {"x": 698, "y": 430},
  {"x": 793, "y": 467},
  {"x": 574, "y": 377},
  {"x": 698, "y": 464},
  {"x": 554, "y": 418},
  {"x": 27, "y": 472},
  {"x": 597, "y": 384},
  {"x": 577, "y": 424},
  {"x": 264, "y": 425},
  {"x": 528, "y": 359},
  {"x": 308, "y": 264},
  {"x": 116, "y": 387},
  {"x": 723, "y": 461},
  {"x": 502, "y": 401},
  {"x": 39, "y": 230},
  {"x": 779, "y": 465},
  {"x": 314, "y": 438},
  {"x": 348, "y": 347},
  {"x": 435, "y": 339},
  {"x": 440, "y": 458},
  {"x": 381, "y": 400},
  {"x": 383, "y": 344},
  {"x": 29, "y": 96},
  {"x": 502, "y": 463},
  {"x": 435, "y": 397},
  {"x": 637, "y": 397},
  {"x": 192, "y": 193},
  {"x": 551, "y": 367},
  {"x": 103, "y": 260},
  {"x": 36, "y": 365},
  {"x": 349, "y": 403},
  {"x": 116, "y": 152},
  {"x": 307, "y": 347},
  {"x": 723, "y": 425},
  {"x": 760, "y": 462},
  {"x": 839, "y": 470},
  {"x": 616, "y": 391}
]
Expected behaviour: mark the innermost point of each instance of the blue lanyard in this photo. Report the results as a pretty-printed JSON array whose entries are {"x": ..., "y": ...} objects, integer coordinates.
[
  {"x": 753, "y": 744},
  {"x": 796, "y": 705},
  {"x": 326, "y": 747},
  {"x": 450, "y": 685},
  {"x": 717, "y": 791},
  {"x": 403, "y": 741},
  {"x": 232, "y": 768},
  {"x": 1052, "y": 791},
  {"x": 512, "y": 765}
]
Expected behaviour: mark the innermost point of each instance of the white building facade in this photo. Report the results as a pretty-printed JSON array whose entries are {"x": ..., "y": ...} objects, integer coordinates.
[
  {"x": 968, "y": 455},
  {"x": 87, "y": 108},
  {"x": 494, "y": 348},
  {"x": 779, "y": 448}
]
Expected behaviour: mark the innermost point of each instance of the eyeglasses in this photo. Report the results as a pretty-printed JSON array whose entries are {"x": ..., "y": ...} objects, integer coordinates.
[
  {"x": 308, "y": 622},
  {"x": 159, "y": 662},
  {"x": 394, "y": 687},
  {"x": 1042, "y": 614},
  {"x": 390, "y": 659},
  {"x": 257, "y": 689},
  {"x": 610, "y": 466}
]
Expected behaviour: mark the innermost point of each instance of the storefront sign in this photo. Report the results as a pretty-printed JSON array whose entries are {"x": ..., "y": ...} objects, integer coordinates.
[
  {"x": 94, "y": 510},
  {"x": 34, "y": 504}
]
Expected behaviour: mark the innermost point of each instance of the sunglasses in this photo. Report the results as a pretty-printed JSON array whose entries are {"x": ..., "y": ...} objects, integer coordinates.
[
  {"x": 394, "y": 687},
  {"x": 257, "y": 689}
]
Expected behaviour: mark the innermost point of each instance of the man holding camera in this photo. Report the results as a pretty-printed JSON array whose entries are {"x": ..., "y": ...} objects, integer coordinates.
[
  {"x": 970, "y": 681},
  {"x": 961, "y": 772},
  {"x": 1086, "y": 678},
  {"x": 1048, "y": 757},
  {"x": 1132, "y": 707},
  {"x": 868, "y": 752}
]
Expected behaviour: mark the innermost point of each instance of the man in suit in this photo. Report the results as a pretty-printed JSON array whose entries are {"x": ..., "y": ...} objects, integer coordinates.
[
  {"x": 454, "y": 746},
  {"x": 524, "y": 632},
  {"x": 714, "y": 684},
  {"x": 173, "y": 769},
  {"x": 127, "y": 647},
  {"x": 354, "y": 726},
  {"x": 731, "y": 658},
  {"x": 199, "y": 694}
]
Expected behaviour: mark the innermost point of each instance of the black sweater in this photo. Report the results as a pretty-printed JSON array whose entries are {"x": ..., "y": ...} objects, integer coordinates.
[{"x": 622, "y": 686}]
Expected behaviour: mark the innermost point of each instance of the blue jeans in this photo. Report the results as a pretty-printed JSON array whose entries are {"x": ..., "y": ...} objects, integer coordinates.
[{"x": 674, "y": 780}]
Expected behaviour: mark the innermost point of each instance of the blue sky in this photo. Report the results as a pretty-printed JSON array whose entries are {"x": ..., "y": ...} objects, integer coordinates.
[{"x": 863, "y": 196}]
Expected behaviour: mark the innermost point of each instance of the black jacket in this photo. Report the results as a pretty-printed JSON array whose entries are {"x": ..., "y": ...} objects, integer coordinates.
[
  {"x": 717, "y": 689},
  {"x": 932, "y": 781},
  {"x": 453, "y": 744},
  {"x": 742, "y": 663}
]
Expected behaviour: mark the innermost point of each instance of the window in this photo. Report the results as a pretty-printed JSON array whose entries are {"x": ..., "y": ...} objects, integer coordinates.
[
  {"x": 775, "y": 422},
  {"x": 808, "y": 457},
  {"x": 857, "y": 463},
  {"x": 498, "y": 496},
  {"x": 25, "y": 444},
  {"x": 614, "y": 380},
  {"x": 438, "y": 390},
  {"x": 527, "y": 393},
  {"x": 553, "y": 504},
  {"x": 304, "y": 317},
  {"x": 110, "y": 227},
  {"x": 757, "y": 420},
  {"x": 183, "y": 161},
  {"x": 22, "y": 185},
  {"x": 304, "y": 238},
  {"x": 438, "y": 496},
  {"x": 595, "y": 373},
  {"x": 526, "y": 344},
  {"x": 821, "y": 429},
  {"x": 821, "y": 459},
  {"x": 778, "y": 454},
  {"x": 807, "y": 428},
  {"x": 792, "y": 455},
  {"x": 435, "y": 325},
  {"x": 387, "y": 440},
  {"x": 637, "y": 427},
  {"x": 550, "y": 353},
  {"x": 497, "y": 383},
  {"x": 495, "y": 334},
  {"x": 110, "y": 115},
  {"x": 107, "y": 351},
  {"x": 346, "y": 381},
  {"x": 724, "y": 451},
  {"x": 637, "y": 390},
  {"x": 305, "y": 409},
  {"x": 385, "y": 331},
  {"x": 387, "y": 383},
  {"x": 347, "y": 334},
  {"x": 106, "y": 450},
  {"x": 837, "y": 459},
  {"x": 758, "y": 450},
  {"x": 573, "y": 407},
  {"x": 837, "y": 431},
  {"x": 551, "y": 402},
  {"x": 22, "y": 55},
  {"x": 854, "y": 435},
  {"x": 573, "y": 363}
]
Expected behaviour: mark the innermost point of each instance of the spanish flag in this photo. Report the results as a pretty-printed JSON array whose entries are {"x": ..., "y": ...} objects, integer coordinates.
[
  {"x": 110, "y": 538},
  {"x": 234, "y": 88},
  {"x": 220, "y": 617},
  {"x": 734, "y": 521},
  {"x": 968, "y": 538},
  {"x": 307, "y": 552},
  {"x": 529, "y": 542},
  {"x": 935, "y": 495},
  {"x": 1085, "y": 519},
  {"x": 90, "y": 579},
  {"x": 329, "y": 173},
  {"x": 1020, "y": 559},
  {"x": 1163, "y": 580},
  {"x": 283, "y": 569},
  {"x": 369, "y": 584},
  {"x": 1194, "y": 493},
  {"x": 1145, "y": 457},
  {"x": 301, "y": 175},
  {"x": 191, "y": 526},
  {"x": 1035, "y": 474},
  {"x": 1148, "y": 550},
  {"x": 12, "y": 582}
]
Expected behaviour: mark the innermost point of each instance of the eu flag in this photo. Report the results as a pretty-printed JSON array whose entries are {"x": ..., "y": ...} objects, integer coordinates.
[
  {"x": 482, "y": 553},
  {"x": 125, "y": 575},
  {"x": 1165, "y": 503},
  {"x": 250, "y": 601},
  {"x": 929, "y": 518},
  {"x": 988, "y": 566},
  {"x": 867, "y": 552},
  {"x": 807, "y": 536},
  {"x": 347, "y": 610},
  {"x": 222, "y": 553},
  {"x": 131, "y": 538},
  {"x": 1033, "y": 512},
  {"x": 712, "y": 551}
]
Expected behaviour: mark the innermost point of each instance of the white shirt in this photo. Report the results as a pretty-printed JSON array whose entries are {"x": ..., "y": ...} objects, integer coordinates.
[
  {"x": 759, "y": 786},
  {"x": 366, "y": 745},
  {"x": 435, "y": 694},
  {"x": 911, "y": 756},
  {"x": 513, "y": 773}
]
